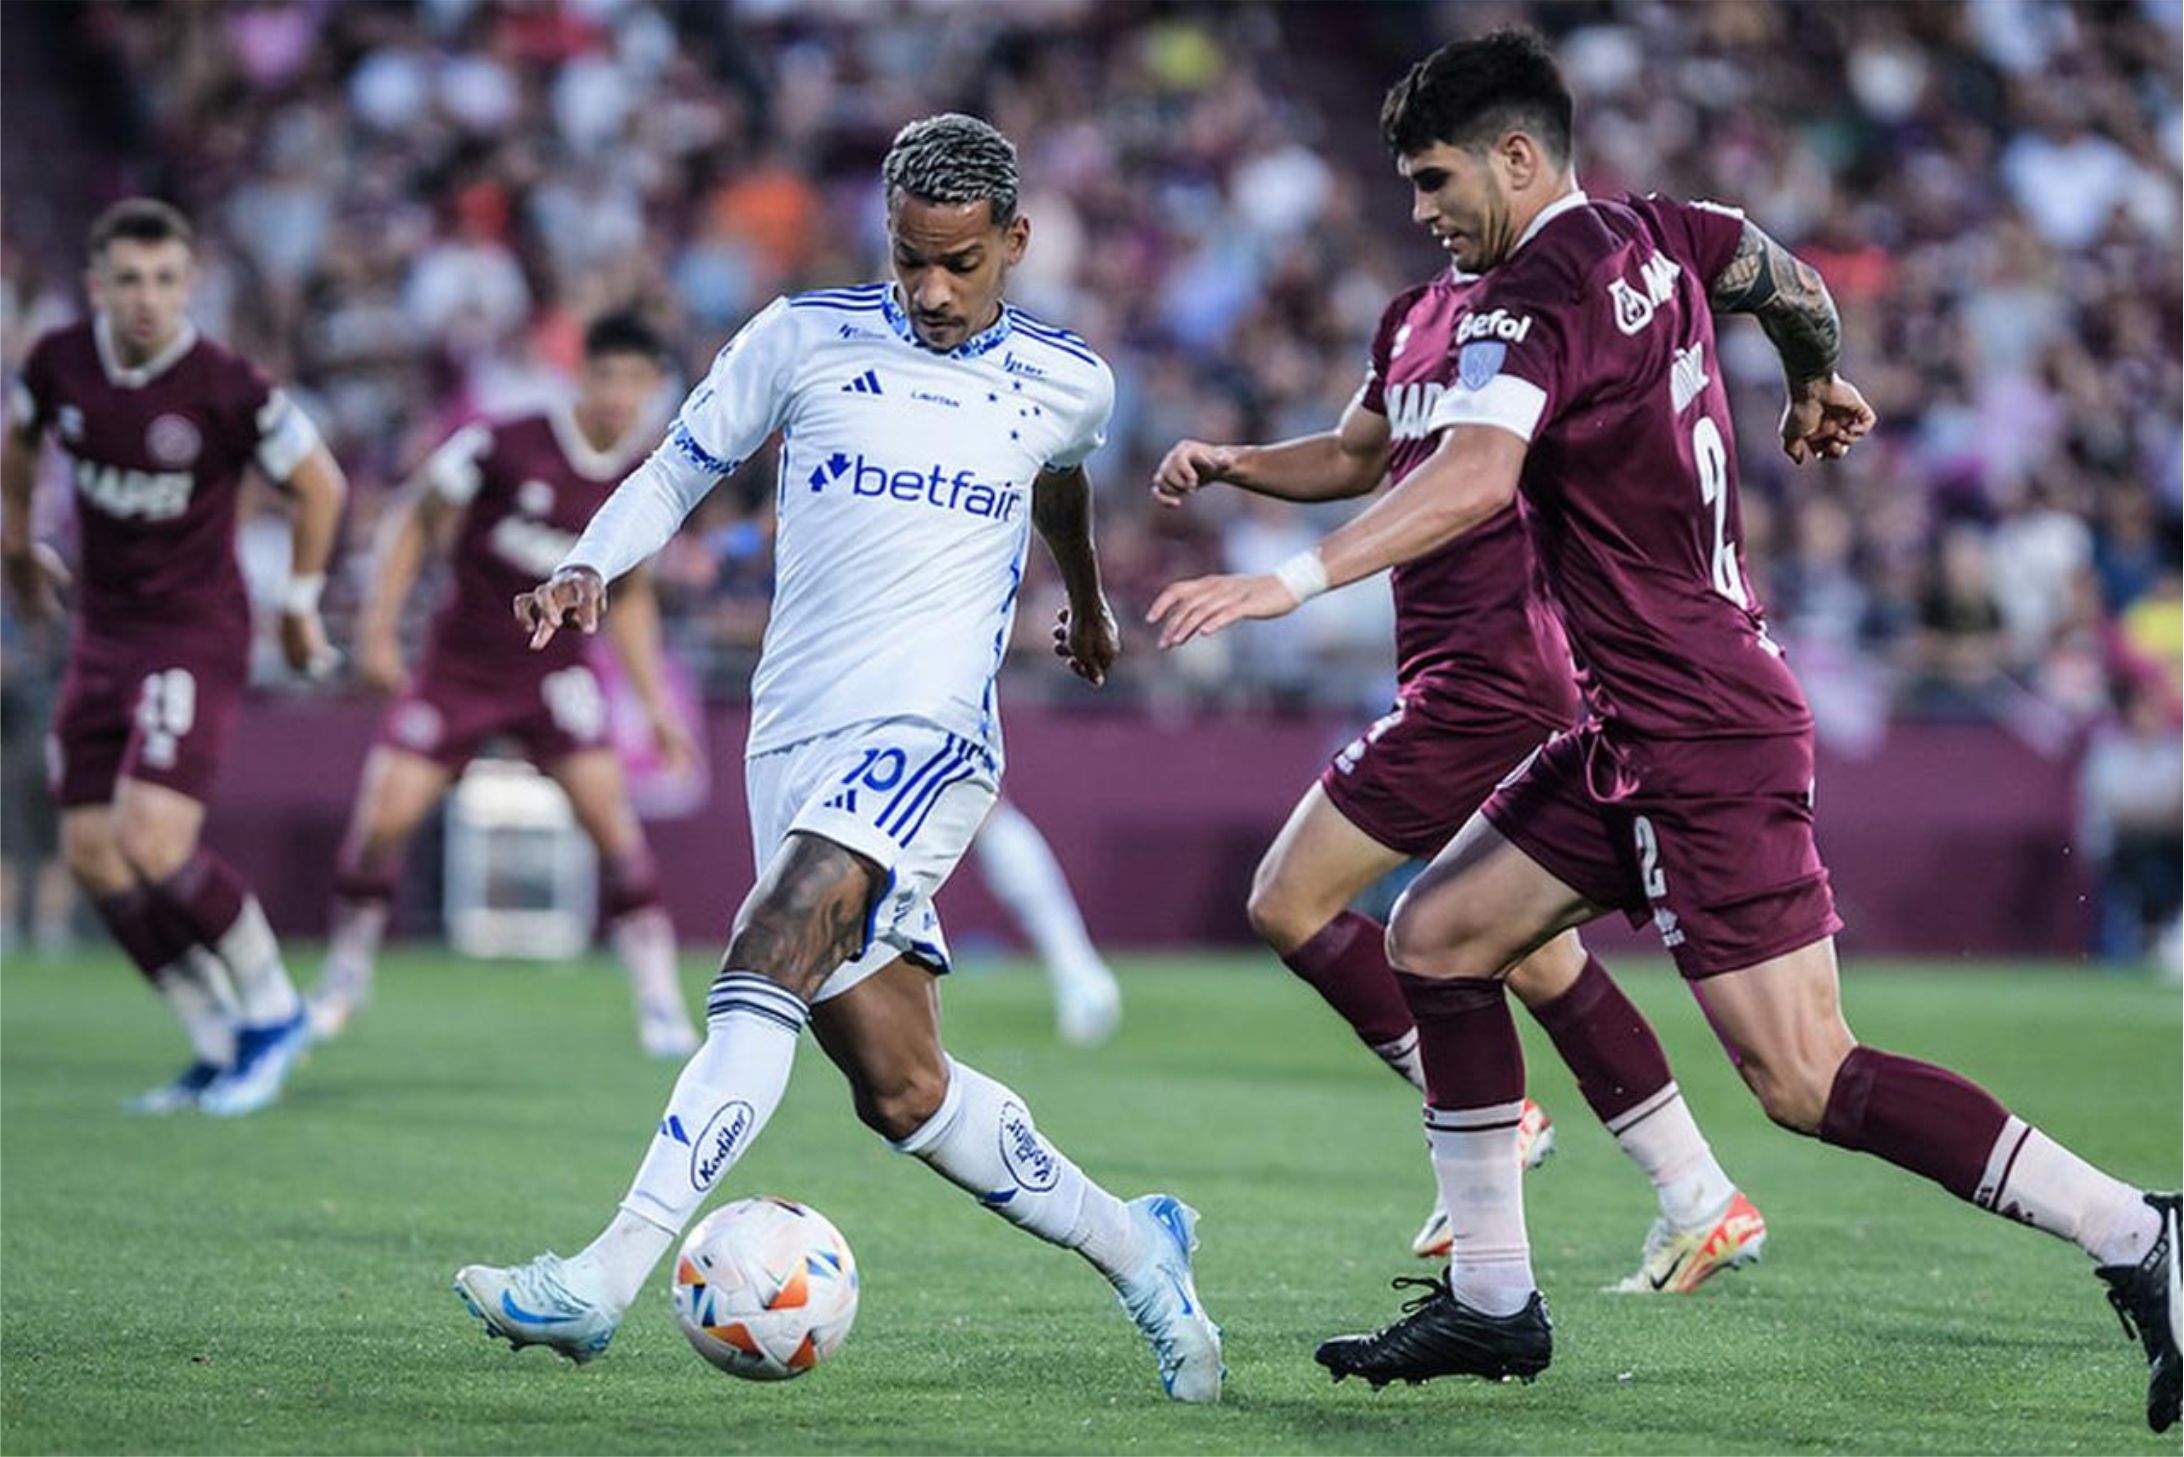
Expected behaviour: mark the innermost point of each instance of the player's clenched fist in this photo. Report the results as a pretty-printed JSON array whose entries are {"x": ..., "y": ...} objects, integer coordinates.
[
  {"x": 1090, "y": 642},
  {"x": 1188, "y": 465},
  {"x": 573, "y": 594},
  {"x": 1824, "y": 418}
]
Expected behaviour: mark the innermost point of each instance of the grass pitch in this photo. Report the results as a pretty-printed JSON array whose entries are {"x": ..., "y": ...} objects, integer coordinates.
[{"x": 280, "y": 1284}]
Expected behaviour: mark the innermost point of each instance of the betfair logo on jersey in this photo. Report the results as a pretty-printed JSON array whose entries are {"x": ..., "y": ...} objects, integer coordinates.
[
  {"x": 934, "y": 488},
  {"x": 1500, "y": 324},
  {"x": 134, "y": 494}
]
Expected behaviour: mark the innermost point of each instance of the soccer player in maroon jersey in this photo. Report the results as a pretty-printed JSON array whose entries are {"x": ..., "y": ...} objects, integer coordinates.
[
  {"x": 506, "y": 500},
  {"x": 1484, "y": 679},
  {"x": 1588, "y": 379},
  {"x": 158, "y": 426}
]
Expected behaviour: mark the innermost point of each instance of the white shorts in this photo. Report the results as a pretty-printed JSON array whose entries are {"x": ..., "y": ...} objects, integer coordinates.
[{"x": 901, "y": 792}]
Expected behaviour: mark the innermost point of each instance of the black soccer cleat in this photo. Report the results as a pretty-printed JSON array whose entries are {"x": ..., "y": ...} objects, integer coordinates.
[
  {"x": 1441, "y": 1336},
  {"x": 2145, "y": 1298}
]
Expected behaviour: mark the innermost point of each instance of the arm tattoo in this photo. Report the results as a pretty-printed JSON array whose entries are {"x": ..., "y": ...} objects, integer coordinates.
[{"x": 1785, "y": 294}]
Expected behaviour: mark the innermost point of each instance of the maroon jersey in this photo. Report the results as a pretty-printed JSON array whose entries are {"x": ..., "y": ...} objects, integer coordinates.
[
  {"x": 528, "y": 486},
  {"x": 157, "y": 456},
  {"x": 1475, "y": 644},
  {"x": 1594, "y": 342}
]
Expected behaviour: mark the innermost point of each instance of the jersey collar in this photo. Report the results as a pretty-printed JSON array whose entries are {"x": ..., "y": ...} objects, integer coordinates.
[
  {"x": 1575, "y": 198},
  {"x": 899, "y": 320},
  {"x": 122, "y": 377}
]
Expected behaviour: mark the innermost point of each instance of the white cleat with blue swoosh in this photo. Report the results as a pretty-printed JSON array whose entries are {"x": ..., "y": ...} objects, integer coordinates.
[
  {"x": 1163, "y": 1299},
  {"x": 538, "y": 1304}
]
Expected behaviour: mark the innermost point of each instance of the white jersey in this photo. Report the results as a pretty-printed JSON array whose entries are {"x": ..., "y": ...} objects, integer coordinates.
[{"x": 904, "y": 500}]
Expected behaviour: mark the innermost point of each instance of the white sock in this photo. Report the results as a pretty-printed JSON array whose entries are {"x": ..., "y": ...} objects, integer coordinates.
[
  {"x": 982, "y": 1140},
  {"x": 727, "y": 1091},
  {"x": 197, "y": 992},
  {"x": 2035, "y": 1180},
  {"x": 1663, "y": 1139},
  {"x": 1482, "y": 1188},
  {"x": 1020, "y": 869},
  {"x": 263, "y": 991},
  {"x": 645, "y": 942},
  {"x": 1402, "y": 1055},
  {"x": 352, "y": 947}
]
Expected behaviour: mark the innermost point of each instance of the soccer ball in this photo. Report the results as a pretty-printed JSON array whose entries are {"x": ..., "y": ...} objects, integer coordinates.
[{"x": 765, "y": 1288}]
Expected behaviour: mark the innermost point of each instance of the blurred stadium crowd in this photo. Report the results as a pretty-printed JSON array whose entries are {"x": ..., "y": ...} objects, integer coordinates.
[{"x": 408, "y": 212}]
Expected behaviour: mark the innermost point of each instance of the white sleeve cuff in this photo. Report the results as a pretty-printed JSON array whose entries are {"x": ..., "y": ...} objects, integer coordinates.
[
  {"x": 1511, "y": 403},
  {"x": 22, "y": 406},
  {"x": 452, "y": 471},
  {"x": 286, "y": 437}
]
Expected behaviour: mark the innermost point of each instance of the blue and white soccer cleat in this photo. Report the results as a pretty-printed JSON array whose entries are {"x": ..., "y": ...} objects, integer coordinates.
[
  {"x": 1163, "y": 1299},
  {"x": 180, "y": 1093},
  {"x": 538, "y": 1304},
  {"x": 263, "y": 1057}
]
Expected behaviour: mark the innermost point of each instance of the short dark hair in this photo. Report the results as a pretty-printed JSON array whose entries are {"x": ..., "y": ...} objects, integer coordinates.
[
  {"x": 624, "y": 332},
  {"x": 953, "y": 158},
  {"x": 1471, "y": 93},
  {"x": 141, "y": 220}
]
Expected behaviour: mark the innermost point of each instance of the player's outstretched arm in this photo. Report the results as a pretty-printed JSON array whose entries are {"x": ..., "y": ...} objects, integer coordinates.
[
  {"x": 316, "y": 489},
  {"x": 1332, "y": 465},
  {"x": 1826, "y": 415},
  {"x": 1471, "y": 477},
  {"x": 635, "y": 629},
  {"x": 35, "y": 576},
  {"x": 1085, "y": 632}
]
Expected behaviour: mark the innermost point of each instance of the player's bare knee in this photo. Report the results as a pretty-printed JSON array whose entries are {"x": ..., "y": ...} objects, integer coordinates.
[
  {"x": 153, "y": 851},
  {"x": 1423, "y": 941},
  {"x": 1789, "y": 1092},
  {"x": 1280, "y": 917},
  {"x": 904, "y": 1104},
  {"x": 96, "y": 863}
]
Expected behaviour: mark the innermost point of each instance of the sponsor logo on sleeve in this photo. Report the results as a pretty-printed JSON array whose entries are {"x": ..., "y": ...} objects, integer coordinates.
[
  {"x": 1499, "y": 324},
  {"x": 1635, "y": 306}
]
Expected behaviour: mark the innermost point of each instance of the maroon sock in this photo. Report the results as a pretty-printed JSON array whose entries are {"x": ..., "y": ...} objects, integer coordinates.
[
  {"x": 628, "y": 883},
  {"x": 151, "y": 938},
  {"x": 1466, "y": 1039},
  {"x": 1606, "y": 1042},
  {"x": 1346, "y": 962},
  {"x": 356, "y": 879},
  {"x": 1915, "y": 1115},
  {"x": 206, "y": 894}
]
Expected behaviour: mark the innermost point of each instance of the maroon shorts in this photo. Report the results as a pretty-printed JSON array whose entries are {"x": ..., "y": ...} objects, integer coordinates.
[
  {"x": 1709, "y": 839},
  {"x": 447, "y": 717},
  {"x": 1410, "y": 783},
  {"x": 158, "y": 708}
]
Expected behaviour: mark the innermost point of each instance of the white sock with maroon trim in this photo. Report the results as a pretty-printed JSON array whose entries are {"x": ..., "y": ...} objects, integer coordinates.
[
  {"x": 2035, "y": 1180},
  {"x": 1663, "y": 1139},
  {"x": 1482, "y": 1188}
]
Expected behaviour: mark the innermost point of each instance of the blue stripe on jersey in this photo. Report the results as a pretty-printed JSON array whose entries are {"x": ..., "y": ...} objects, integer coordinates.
[
  {"x": 699, "y": 456},
  {"x": 854, "y": 290},
  {"x": 1060, "y": 346},
  {"x": 1031, "y": 323},
  {"x": 839, "y": 306}
]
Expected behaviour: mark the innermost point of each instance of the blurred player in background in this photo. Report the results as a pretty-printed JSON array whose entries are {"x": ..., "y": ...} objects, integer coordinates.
[
  {"x": 1589, "y": 378},
  {"x": 927, "y": 427},
  {"x": 1022, "y": 871},
  {"x": 158, "y": 426},
  {"x": 1484, "y": 679},
  {"x": 505, "y": 500}
]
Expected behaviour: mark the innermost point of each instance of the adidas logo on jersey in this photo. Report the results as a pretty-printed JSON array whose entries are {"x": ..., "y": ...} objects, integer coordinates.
[{"x": 867, "y": 383}]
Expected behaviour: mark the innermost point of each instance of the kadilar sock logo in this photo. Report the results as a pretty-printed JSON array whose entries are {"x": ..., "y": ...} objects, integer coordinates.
[
  {"x": 1029, "y": 1161},
  {"x": 935, "y": 489},
  {"x": 716, "y": 1145}
]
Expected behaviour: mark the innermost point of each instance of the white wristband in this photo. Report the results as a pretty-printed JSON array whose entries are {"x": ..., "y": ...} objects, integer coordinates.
[
  {"x": 1304, "y": 575},
  {"x": 302, "y": 596}
]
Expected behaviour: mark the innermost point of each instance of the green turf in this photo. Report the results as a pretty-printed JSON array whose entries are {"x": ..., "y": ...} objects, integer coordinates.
[{"x": 280, "y": 1284}]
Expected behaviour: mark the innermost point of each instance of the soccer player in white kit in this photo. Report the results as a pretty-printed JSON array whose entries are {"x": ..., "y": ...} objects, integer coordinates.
[{"x": 926, "y": 427}]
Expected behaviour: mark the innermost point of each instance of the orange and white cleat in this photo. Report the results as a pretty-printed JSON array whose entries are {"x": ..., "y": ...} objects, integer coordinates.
[
  {"x": 1679, "y": 1261},
  {"x": 1535, "y": 1141}
]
